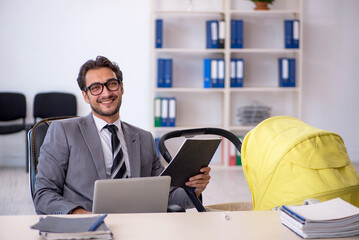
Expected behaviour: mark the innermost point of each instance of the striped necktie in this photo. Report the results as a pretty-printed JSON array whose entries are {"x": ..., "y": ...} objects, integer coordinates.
[{"x": 118, "y": 168}]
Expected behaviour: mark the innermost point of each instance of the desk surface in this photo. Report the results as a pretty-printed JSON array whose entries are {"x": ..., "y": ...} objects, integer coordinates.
[{"x": 210, "y": 225}]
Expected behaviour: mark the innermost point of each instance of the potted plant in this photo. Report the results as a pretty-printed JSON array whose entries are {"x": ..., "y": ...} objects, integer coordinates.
[{"x": 262, "y": 4}]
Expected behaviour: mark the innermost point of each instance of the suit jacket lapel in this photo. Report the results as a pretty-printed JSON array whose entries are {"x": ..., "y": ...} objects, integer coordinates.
[
  {"x": 89, "y": 132},
  {"x": 133, "y": 149}
]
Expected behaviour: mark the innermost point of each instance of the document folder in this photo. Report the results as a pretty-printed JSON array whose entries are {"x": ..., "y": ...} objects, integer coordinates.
[{"x": 193, "y": 155}]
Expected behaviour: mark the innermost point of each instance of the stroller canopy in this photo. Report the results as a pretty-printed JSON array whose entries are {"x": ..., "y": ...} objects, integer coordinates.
[{"x": 286, "y": 161}]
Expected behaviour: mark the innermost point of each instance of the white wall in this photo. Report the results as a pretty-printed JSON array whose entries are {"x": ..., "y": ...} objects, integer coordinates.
[
  {"x": 331, "y": 69},
  {"x": 43, "y": 44}
]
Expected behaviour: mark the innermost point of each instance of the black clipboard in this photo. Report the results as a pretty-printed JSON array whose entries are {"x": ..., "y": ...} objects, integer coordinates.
[{"x": 194, "y": 154}]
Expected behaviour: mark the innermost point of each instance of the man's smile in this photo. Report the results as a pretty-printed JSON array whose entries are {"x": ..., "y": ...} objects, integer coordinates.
[{"x": 107, "y": 101}]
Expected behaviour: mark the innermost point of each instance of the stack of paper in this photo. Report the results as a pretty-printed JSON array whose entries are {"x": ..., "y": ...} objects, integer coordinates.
[
  {"x": 72, "y": 228},
  {"x": 333, "y": 218}
]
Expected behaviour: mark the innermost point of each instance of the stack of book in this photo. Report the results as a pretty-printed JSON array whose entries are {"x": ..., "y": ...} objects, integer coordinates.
[
  {"x": 73, "y": 228},
  {"x": 333, "y": 218}
]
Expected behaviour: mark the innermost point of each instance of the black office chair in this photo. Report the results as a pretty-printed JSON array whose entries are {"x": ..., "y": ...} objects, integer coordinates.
[
  {"x": 54, "y": 104},
  {"x": 13, "y": 109},
  {"x": 189, "y": 133},
  {"x": 36, "y": 137}
]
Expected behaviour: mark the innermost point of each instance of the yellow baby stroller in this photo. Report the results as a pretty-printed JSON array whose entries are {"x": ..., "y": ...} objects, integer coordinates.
[{"x": 286, "y": 161}]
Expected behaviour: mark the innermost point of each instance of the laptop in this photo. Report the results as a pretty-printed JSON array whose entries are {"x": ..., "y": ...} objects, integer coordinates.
[{"x": 131, "y": 195}]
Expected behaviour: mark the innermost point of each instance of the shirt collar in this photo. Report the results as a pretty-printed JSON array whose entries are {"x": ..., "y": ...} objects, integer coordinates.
[{"x": 101, "y": 123}]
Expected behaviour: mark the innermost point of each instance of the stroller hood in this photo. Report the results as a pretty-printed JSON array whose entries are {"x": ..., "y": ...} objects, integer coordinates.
[{"x": 286, "y": 161}]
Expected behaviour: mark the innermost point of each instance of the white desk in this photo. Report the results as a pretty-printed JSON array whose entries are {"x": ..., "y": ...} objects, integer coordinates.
[{"x": 210, "y": 225}]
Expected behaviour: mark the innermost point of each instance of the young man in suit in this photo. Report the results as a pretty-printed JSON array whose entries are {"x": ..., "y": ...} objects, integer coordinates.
[{"x": 76, "y": 152}]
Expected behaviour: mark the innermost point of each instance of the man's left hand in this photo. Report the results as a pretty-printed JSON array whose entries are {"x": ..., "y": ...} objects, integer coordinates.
[{"x": 200, "y": 181}]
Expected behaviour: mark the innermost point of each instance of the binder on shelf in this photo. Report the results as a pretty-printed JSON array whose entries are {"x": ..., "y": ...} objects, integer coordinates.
[
  {"x": 295, "y": 33},
  {"x": 160, "y": 72},
  {"x": 232, "y": 154},
  {"x": 214, "y": 73},
  {"x": 283, "y": 72},
  {"x": 164, "y": 73},
  {"x": 168, "y": 73},
  {"x": 291, "y": 33},
  {"x": 233, "y": 72},
  {"x": 212, "y": 33},
  {"x": 287, "y": 72},
  {"x": 207, "y": 73},
  {"x": 288, "y": 33},
  {"x": 237, "y": 70},
  {"x": 238, "y": 154},
  {"x": 164, "y": 112},
  {"x": 292, "y": 72},
  {"x": 159, "y": 33},
  {"x": 236, "y": 33},
  {"x": 221, "y": 33},
  {"x": 233, "y": 32},
  {"x": 157, "y": 112},
  {"x": 221, "y": 70},
  {"x": 238, "y": 159},
  {"x": 171, "y": 112}
]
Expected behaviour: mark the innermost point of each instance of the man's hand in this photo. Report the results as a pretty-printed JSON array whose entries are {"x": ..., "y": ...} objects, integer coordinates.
[
  {"x": 200, "y": 181},
  {"x": 80, "y": 211}
]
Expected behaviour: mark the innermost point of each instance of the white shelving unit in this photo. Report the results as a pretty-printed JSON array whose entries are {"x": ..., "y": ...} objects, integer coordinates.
[{"x": 184, "y": 40}]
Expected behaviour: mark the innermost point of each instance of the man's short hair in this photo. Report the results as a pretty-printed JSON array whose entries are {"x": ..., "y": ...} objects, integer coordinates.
[{"x": 96, "y": 64}]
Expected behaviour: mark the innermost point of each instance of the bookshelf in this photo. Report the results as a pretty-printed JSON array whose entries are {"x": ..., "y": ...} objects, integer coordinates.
[{"x": 184, "y": 41}]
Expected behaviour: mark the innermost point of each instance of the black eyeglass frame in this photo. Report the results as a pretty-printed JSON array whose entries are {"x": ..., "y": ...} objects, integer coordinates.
[{"x": 103, "y": 85}]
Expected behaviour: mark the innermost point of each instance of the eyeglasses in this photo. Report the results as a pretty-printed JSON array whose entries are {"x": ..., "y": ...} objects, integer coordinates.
[{"x": 112, "y": 84}]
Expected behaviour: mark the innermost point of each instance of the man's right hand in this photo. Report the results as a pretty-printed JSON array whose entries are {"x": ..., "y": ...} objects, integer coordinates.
[{"x": 80, "y": 211}]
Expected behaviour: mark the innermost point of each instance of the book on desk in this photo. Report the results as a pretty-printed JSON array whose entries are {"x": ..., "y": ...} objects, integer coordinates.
[
  {"x": 73, "y": 228},
  {"x": 333, "y": 218}
]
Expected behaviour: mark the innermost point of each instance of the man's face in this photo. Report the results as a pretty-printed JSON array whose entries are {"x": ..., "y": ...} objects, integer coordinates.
[{"x": 107, "y": 104}]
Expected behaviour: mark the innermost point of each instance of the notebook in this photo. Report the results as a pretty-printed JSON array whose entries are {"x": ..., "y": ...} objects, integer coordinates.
[
  {"x": 193, "y": 155},
  {"x": 131, "y": 195}
]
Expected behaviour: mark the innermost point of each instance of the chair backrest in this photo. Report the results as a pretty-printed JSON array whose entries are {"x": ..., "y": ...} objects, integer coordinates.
[
  {"x": 54, "y": 104},
  {"x": 36, "y": 137},
  {"x": 188, "y": 133},
  {"x": 12, "y": 107}
]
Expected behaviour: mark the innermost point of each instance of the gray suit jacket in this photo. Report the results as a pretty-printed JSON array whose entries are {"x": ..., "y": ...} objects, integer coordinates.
[{"x": 71, "y": 160}]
